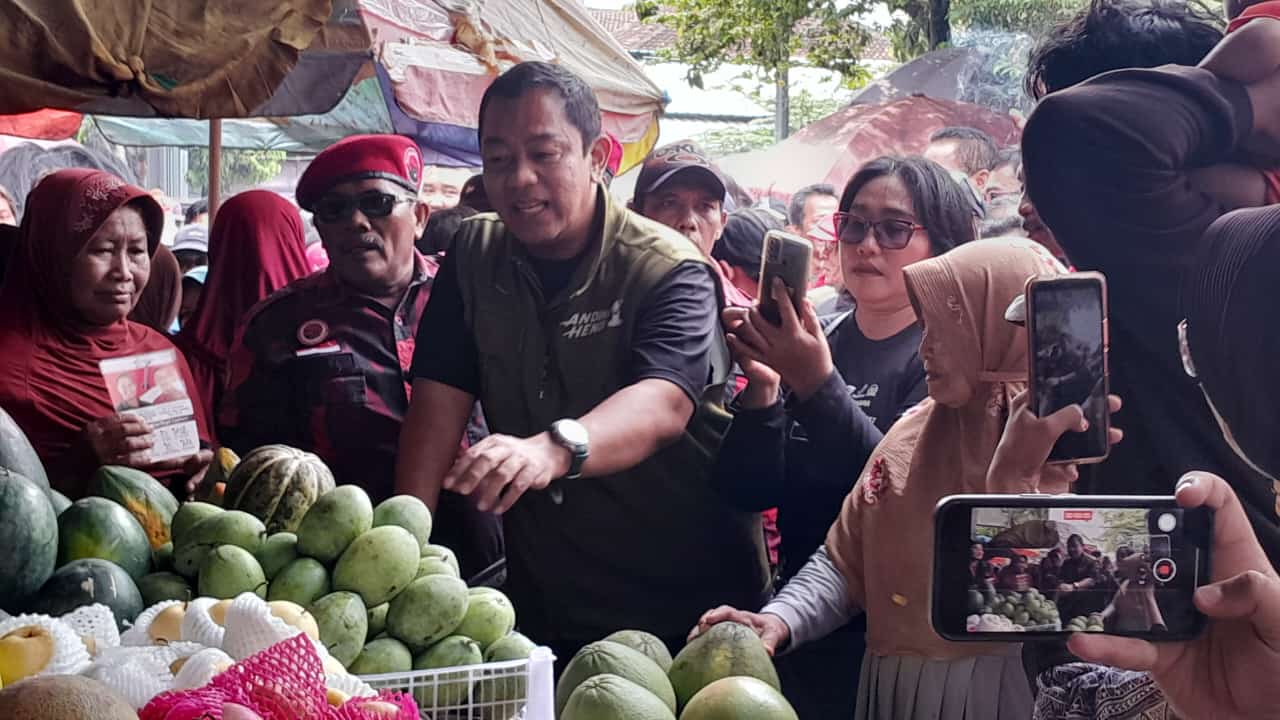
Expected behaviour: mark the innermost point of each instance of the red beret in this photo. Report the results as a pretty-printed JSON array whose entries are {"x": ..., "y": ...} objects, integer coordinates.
[{"x": 359, "y": 157}]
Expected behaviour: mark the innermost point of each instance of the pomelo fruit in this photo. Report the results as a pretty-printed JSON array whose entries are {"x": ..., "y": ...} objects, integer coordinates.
[
  {"x": 95, "y": 527},
  {"x": 378, "y": 619},
  {"x": 407, "y": 512},
  {"x": 333, "y": 522},
  {"x": 490, "y": 616},
  {"x": 435, "y": 565},
  {"x": 229, "y": 570},
  {"x": 378, "y": 564},
  {"x": 645, "y": 643},
  {"x": 160, "y": 586},
  {"x": 28, "y": 536},
  {"x": 229, "y": 527},
  {"x": 444, "y": 553},
  {"x": 382, "y": 656},
  {"x": 609, "y": 657},
  {"x": 608, "y": 696},
  {"x": 188, "y": 514},
  {"x": 301, "y": 581},
  {"x": 344, "y": 625},
  {"x": 427, "y": 611},
  {"x": 277, "y": 551},
  {"x": 512, "y": 646},
  {"x": 733, "y": 698},
  {"x": 451, "y": 689},
  {"x": 724, "y": 650}
]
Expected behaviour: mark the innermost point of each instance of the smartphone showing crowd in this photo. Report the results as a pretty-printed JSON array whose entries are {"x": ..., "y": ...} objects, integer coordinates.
[
  {"x": 1037, "y": 565},
  {"x": 1067, "y": 332}
]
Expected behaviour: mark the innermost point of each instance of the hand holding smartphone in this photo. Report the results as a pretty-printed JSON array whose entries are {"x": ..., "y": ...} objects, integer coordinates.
[
  {"x": 1011, "y": 567},
  {"x": 1067, "y": 357},
  {"x": 786, "y": 256}
]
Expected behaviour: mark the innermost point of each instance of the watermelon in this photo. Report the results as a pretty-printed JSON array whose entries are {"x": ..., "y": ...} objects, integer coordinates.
[
  {"x": 278, "y": 484},
  {"x": 17, "y": 454},
  {"x": 28, "y": 536},
  {"x": 95, "y": 527},
  {"x": 60, "y": 502},
  {"x": 149, "y": 502},
  {"x": 89, "y": 581}
]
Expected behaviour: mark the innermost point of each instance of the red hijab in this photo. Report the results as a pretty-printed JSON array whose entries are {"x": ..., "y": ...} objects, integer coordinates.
[
  {"x": 49, "y": 377},
  {"x": 257, "y": 246},
  {"x": 161, "y": 299}
]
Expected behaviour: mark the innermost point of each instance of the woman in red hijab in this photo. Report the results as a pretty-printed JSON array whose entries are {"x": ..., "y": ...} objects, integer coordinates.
[
  {"x": 82, "y": 260},
  {"x": 257, "y": 246}
]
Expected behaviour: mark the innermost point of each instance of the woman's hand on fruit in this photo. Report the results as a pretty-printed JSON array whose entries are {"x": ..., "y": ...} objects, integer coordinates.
[
  {"x": 1020, "y": 463},
  {"x": 1229, "y": 671},
  {"x": 773, "y": 632}
]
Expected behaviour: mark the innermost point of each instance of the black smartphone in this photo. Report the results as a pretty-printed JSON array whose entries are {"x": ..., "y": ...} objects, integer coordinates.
[
  {"x": 788, "y": 257},
  {"x": 1067, "y": 335},
  {"x": 1051, "y": 565}
]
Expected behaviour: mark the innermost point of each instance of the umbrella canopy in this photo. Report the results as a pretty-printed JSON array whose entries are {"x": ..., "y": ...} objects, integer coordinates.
[
  {"x": 413, "y": 67},
  {"x": 833, "y": 148}
]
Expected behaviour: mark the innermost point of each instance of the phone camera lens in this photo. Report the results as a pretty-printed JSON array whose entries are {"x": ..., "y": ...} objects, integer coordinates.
[{"x": 1167, "y": 522}]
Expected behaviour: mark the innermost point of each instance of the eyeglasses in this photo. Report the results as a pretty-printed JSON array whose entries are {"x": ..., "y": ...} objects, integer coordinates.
[
  {"x": 1189, "y": 367},
  {"x": 373, "y": 204},
  {"x": 890, "y": 234}
]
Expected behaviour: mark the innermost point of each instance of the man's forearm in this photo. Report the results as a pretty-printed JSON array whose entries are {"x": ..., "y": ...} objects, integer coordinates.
[
  {"x": 430, "y": 438},
  {"x": 633, "y": 424}
]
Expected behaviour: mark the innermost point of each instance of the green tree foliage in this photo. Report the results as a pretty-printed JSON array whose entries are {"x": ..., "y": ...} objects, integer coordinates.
[
  {"x": 925, "y": 25},
  {"x": 241, "y": 169},
  {"x": 766, "y": 34}
]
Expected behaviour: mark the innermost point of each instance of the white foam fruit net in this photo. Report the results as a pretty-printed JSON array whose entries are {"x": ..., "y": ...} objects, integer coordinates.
[
  {"x": 70, "y": 655},
  {"x": 251, "y": 628},
  {"x": 96, "y": 626}
]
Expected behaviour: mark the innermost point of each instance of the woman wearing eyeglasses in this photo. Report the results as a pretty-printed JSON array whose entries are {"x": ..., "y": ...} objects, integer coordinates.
[{"x": 821, "y": 394}]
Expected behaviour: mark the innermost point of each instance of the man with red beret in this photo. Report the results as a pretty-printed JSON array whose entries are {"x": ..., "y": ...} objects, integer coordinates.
[{"x": 323, "y": 364}]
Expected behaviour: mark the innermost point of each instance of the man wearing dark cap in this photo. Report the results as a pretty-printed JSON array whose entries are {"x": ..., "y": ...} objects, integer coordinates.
[
  {"x": 681, "y": 188},
  {"x": 591, "y": 337},
  {"x": 323, "y": 364},
  {"x": 741, "y": 245}
]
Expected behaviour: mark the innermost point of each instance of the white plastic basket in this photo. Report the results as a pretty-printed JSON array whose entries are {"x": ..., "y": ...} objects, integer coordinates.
[{"x": 514, "y": 690}]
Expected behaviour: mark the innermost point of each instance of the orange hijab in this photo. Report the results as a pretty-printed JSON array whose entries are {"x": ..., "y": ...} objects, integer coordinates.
[{"x": 936, "y": 450}]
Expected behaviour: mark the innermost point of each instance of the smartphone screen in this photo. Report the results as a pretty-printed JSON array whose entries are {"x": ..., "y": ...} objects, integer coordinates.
[
  {"x": 787, "y": 257},
  {"x": 1076, "y": 564},
  {"x": 1068, "y": 359}
]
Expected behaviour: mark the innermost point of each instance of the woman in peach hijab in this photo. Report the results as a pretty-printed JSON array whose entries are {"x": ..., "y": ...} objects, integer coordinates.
[{"x": 878, "y": 554}]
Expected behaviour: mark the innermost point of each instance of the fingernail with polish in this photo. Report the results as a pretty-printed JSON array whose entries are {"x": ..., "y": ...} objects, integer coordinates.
[{"x": 1187, "y": 481}]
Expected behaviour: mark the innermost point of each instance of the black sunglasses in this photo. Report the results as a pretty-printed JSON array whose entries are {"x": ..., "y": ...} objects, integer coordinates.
[
  {"x": 373, "y": 204},
  {"x": 890, "y": 234}
]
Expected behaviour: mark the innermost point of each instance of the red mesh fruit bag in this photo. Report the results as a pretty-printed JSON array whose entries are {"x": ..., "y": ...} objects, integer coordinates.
[{"x": 283, "y": 682}]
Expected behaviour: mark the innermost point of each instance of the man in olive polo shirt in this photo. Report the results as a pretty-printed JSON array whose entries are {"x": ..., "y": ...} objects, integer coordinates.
[{"x": 590, "y": 336}]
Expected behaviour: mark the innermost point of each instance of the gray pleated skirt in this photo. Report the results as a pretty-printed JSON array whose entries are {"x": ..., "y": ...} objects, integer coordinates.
[{"x": 906, "y": 687}]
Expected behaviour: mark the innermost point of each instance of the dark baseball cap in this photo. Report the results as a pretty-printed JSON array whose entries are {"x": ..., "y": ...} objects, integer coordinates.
[
  {"x": 742, "y": 242},
  {"x": 668, "y": 161}
]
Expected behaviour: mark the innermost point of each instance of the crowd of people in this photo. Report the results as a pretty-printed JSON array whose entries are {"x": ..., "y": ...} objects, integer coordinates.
[{"x": 585, "y": 389}]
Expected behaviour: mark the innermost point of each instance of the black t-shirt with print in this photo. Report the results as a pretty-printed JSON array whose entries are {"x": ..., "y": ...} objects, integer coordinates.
[
  {"x": 885, "y": 377},
  {"x": 670, "y": 342}
]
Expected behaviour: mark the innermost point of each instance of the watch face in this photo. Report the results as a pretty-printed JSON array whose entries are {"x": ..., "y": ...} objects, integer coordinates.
[{"x": 572, "y": 432}]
